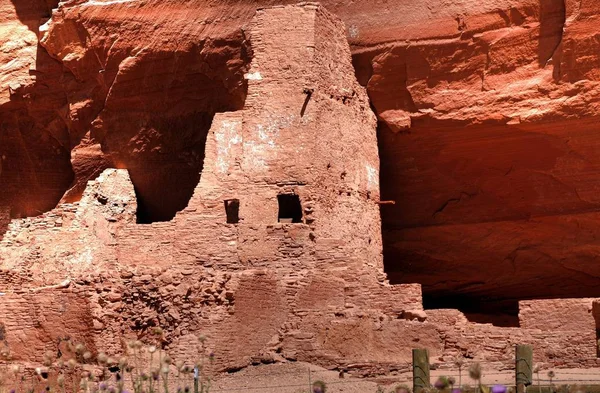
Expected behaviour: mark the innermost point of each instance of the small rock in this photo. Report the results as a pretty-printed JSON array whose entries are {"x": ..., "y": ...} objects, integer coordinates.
[
  {"x": 113, "y": 297},
  {"x": 411, "y": 315}
]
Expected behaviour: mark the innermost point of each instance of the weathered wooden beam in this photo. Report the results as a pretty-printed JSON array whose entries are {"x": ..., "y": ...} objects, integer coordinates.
[{"x": 421, "y": 376}]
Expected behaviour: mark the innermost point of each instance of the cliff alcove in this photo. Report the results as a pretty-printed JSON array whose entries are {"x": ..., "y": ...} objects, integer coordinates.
[
  {"x": 487, "y": 142},
  {"x": 477, "y": 147},
  {"x": 158, "y": 113},
  {"x": 86, "y": 102},
  {"x": 487, "y": 170}
]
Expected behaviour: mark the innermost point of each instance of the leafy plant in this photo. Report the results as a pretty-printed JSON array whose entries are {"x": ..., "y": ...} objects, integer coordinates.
[{"x": 442, "y": 383}]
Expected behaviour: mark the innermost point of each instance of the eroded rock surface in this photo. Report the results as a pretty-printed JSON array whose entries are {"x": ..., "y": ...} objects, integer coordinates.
[
  {"x": 487, "y": 140},
  {"x": 487, "y": 115},
  {"x": 112, "y": 84},
  {"x": 278, "y": 253}
]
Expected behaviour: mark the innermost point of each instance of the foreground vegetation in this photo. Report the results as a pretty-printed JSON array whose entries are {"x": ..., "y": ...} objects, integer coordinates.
[
  {"x": 146, "y": 368},
  {"x": 142, "y": 368}
]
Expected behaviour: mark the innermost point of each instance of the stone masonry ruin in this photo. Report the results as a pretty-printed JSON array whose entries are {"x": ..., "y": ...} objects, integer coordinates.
[{"x": 278, "y": 253}]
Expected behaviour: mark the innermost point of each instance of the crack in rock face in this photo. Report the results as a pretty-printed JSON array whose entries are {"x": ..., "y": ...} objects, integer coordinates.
[{"x": 552, "y": 25}]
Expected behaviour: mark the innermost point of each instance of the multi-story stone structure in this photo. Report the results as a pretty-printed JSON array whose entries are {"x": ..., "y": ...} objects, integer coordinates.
[{"x": 278, "y": 254}]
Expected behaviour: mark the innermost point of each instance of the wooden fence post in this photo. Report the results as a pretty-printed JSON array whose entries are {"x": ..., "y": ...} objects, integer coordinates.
[
  {"x": 523, "y": 367},
  {"x": 420, "y": 370}
]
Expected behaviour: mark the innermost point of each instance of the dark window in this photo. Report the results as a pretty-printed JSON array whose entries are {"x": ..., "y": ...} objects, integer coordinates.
[
  {"x": 232, "y": 209},
  {"x": 290, "y": 209}
]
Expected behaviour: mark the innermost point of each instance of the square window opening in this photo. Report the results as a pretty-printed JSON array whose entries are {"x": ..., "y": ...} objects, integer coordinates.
[
  {"x": 290, "y": 209},
  {"x": 232, "y": 209}
]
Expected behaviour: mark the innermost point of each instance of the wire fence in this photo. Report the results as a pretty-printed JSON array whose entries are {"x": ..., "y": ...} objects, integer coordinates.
[
  {"x": 367, "y": 376},
  {"x": 300, "y": 380}
]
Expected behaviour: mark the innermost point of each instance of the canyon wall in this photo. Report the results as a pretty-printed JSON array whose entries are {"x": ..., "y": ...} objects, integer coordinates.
[
  {"x": 487, "y": 115},
  {"x": 487, "y": 145},
  {"x": 279, "y": 244},
  {"x": 484, "y": 119}
]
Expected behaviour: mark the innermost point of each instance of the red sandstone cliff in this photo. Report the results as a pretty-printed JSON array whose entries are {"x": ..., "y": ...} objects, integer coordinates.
[{"x": 487, "y": 124}]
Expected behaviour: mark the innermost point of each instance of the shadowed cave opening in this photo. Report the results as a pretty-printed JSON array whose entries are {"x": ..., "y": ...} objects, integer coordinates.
[
  {"x": 4, "y": 220},
  {"x": 470, "y": 226},
  {"x": 498, "y": 312},
  {"x": 407, "y": 257},
  {"x": 164, "y": 149},
  {"x": 442, "y": 286},
  {"x": 165, "y": 177},
  {"x": 486, "y": 215}
]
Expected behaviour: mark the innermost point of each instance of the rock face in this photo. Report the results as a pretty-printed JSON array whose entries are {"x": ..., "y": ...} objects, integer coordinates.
[
  {"x": 243, "y": 199},
  {"x": 297, "y": 223},
  {"x": 486, "y": 124},
  {"x": 487, "y": 143},
  {"x": 34, "y": 159},
  {"x": 102, "y": 92}
]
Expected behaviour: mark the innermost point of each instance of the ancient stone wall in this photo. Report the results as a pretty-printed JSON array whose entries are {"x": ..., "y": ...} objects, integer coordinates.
[
  {"x": 487, "y": 114},
  {"x": 260, "y": 287},
  {"x": 271, "y": 283}
]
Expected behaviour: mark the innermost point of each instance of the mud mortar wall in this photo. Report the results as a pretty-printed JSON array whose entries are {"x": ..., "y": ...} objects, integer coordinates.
[{"x": 262, "y": 290}]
